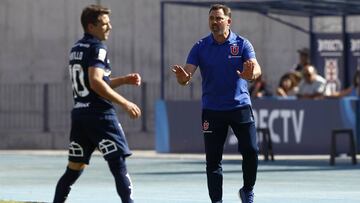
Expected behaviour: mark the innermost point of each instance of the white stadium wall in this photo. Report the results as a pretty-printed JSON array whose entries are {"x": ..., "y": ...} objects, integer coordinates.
[{"x": 36, "y": 36}]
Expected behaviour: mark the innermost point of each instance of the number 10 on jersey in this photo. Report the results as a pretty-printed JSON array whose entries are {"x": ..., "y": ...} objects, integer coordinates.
[{"x": 77, "y": 80}]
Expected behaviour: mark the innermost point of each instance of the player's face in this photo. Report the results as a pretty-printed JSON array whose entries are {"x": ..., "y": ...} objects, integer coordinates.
[
  {"x": 219, "y": 23},
  {"x": 102, "y": 28}
]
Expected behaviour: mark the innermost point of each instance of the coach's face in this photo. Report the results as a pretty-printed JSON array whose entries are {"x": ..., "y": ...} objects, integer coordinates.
[
  {"x": 219, "y": 23},
  {"x": 101, "y": 29}
]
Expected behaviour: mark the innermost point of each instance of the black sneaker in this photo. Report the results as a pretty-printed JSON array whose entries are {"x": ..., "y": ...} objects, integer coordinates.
[{"x": 246, "y": 196}]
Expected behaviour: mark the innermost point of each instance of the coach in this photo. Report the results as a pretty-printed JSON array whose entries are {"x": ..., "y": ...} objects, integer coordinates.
[{"x": 227, "y": 61}]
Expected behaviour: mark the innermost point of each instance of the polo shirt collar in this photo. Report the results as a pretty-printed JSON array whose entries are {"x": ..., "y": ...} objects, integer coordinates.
[{"x": 231, "y": 38}]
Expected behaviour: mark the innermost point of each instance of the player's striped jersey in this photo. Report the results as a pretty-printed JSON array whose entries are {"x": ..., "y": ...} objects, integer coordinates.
[{"x": 88, "y": 52}]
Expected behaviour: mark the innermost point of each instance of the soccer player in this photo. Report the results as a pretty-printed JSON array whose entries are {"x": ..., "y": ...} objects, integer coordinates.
[
  {"x": 227, "y": 61},
  {"x": 94, "y": 124}
]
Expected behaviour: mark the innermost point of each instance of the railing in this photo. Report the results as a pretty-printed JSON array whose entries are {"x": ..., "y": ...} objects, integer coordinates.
[
  {"x": 46, "y": 107},
  {"x": 39, "y": 107}
]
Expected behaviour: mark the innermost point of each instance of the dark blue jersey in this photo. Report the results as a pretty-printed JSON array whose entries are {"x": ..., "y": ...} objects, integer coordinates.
[
  {"x": 88, "y": 52},
  {"x": 222, "y": 87}
]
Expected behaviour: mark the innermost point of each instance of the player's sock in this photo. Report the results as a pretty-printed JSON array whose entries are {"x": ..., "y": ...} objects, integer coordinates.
[
  {"x": 122, "y": 179},
  {"x": 63, "y": 186}
]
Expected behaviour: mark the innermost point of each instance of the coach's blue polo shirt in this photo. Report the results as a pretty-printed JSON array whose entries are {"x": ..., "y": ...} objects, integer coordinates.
[{"x": 222, "y": 88}]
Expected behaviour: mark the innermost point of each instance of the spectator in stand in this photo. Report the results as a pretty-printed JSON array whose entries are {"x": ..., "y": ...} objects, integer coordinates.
[
  {"x": 353, "y": 90},
  {"x": 288, "y": 85},
  {"x": 297, "y": 77},
  {"x": 259, "y": 88},
  {"x": 313, "y": 85},
  {"x": 304, "y": 59}
]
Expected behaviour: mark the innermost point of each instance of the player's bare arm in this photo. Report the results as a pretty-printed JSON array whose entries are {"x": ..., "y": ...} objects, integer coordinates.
[
  {"x": 183, "y": 74},
  {"x": 130, "y": 79},
  {"x": 251, "y": 70},
  {"x": 103, "y": 89}
]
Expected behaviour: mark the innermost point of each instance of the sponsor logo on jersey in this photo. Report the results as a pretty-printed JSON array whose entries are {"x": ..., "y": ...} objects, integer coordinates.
[
  {"x": 82, "y": 45},
  {"x": 81, "y": 105}
]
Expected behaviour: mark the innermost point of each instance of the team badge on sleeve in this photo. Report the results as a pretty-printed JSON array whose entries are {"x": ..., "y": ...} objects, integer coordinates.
[{"x": 102, "y": 55}]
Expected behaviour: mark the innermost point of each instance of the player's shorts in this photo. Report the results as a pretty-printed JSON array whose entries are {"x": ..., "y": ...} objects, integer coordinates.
[{"x": 96, "y": 131}]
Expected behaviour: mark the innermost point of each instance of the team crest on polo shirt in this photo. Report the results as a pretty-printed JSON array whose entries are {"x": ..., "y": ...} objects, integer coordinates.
[{"x": 234, "y": 49}]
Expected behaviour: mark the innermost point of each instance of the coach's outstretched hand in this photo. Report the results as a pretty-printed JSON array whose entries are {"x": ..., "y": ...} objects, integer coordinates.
[
  {"x": 182, "y": 76},
  {"x": 248, "y": 70}
]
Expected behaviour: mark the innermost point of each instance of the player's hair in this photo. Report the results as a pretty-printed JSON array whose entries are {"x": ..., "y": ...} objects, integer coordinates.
[
  {"x": 91, "y": 13},
  {"x": 226, "y": 9}
]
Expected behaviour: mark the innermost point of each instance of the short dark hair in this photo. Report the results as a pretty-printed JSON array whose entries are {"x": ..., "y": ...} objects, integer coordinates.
[
  {"x": 226, "y": 9},
  {"x": 91, "y": 13}
]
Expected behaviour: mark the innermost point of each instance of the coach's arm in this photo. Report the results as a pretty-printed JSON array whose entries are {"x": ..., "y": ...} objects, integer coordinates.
[{"x": 183, "y": 74}]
